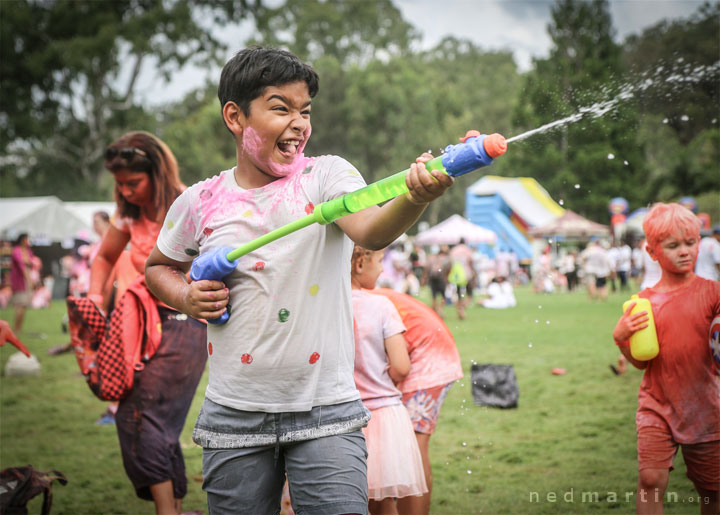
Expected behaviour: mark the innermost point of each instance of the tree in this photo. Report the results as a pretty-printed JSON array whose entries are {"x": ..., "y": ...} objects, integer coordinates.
[
  {"x": 351, "y": 31},
  {"x": 383, "y": 114},
  {"x": 682, "y": 108},
  {"x": 194, "y": 129},
  {"x": 62, "y": 73},
  {"x": 593, "y": 156}
]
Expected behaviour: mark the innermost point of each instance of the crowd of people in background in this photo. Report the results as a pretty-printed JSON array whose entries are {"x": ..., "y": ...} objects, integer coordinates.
[
  {"x": 460, "y": 275},
  {"x": 456, "y": 275}
]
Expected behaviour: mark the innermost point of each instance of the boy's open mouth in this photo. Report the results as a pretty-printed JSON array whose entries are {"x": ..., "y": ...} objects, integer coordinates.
[{"x": 288, "y": 147}]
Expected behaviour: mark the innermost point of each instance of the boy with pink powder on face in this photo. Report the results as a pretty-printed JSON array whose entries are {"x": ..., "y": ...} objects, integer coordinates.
[
  {"x": 281, "y": 399},
  {"x": 679, "y": 398}
]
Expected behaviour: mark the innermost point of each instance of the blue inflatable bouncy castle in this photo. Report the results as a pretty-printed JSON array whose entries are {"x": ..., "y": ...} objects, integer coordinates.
[{"x": 510, "y": 206}]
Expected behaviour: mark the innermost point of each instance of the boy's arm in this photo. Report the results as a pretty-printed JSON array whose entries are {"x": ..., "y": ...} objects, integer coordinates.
[
  {"x": 167, "y": 279},
  {"x": 376, "y": 227},
  {"x": 625, "y": 328}
]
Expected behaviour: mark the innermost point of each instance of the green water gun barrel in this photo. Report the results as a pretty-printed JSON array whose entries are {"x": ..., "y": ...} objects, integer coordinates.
[{"x": 475, "y": 151}]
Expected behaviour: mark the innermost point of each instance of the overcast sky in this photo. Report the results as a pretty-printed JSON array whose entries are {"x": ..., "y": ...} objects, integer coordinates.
[{"x": 519, "y": 26}]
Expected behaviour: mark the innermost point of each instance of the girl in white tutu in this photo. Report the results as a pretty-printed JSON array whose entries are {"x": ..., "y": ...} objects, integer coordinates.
[{"x": 381, "y": 359}]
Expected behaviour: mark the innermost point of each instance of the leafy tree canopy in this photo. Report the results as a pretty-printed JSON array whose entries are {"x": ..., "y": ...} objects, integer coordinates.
[{"x": 64, "y": 96}]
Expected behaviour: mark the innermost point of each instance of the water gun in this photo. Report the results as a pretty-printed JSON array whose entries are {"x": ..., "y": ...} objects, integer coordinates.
[{"x": 475, "y": 151}]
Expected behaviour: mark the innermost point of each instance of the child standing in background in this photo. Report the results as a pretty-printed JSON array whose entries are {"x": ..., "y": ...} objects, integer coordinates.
[
  {"x": 434, "y": 367},
  {"x": 679, "y": 398},
  {"x": 394, "y": 463}
]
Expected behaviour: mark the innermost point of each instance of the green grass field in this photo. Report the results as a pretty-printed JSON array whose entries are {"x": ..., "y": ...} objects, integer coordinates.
[{"x": 569, "y": 446}]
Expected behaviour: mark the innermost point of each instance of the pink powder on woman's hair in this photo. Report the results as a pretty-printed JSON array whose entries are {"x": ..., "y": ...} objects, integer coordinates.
[{"x": 252, "y": 142}]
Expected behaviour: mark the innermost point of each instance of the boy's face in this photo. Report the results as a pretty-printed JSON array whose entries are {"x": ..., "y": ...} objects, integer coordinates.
[
  {"x": 677, "y": 253},
  {"x": 277, "y": 128}
]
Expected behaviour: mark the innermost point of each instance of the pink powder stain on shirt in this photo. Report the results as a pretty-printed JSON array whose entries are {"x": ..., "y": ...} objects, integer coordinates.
[
  {"x": 216, "y": 202},
  {"x": 309, "y": 208}
]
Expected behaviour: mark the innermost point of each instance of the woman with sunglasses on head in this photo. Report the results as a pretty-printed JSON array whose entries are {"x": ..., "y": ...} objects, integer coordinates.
[{"x": 150, "y": 419}]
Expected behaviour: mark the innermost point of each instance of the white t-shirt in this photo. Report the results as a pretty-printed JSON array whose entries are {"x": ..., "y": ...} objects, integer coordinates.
[
  {"x": 652, "y": 272},
  {"x": 624, "y": 260},
  {"x": 376, "y": 319},
  {"x": 501, "y": 296},
  {"x": 612, "y": 258},
  {"x": 596, "y": 261},
  {"x": 708, "y": 258},
  {"x": 288, "y": 345}
]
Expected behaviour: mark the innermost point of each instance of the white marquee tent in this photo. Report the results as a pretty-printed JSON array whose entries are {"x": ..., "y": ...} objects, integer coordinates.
[
  {"x": 451, "y": 230},
  {"x": 48, "y": 218}
]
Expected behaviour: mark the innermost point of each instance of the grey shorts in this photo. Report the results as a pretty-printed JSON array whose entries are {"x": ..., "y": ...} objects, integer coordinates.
[{"x": 327, "y": 474}]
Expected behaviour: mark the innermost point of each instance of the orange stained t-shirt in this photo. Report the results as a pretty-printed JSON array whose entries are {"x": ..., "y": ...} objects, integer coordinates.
[
  {"x": 131, "y": 263},
  {"x": 143, "y": 235},
  {"x": 680, "y": 389},
  {"x": 434, "y": 358}
]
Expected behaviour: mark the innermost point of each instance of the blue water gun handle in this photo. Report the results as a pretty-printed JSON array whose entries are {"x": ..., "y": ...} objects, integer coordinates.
[{"x": 214, "y": 266}]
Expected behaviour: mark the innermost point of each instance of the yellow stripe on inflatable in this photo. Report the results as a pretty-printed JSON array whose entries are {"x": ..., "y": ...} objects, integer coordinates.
[
  {"x": 541, "y": 195},
  {"x": 534, "y": 188}
]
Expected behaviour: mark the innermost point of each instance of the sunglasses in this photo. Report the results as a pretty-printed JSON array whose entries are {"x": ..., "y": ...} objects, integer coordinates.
[{"x": 126, "y": 153}]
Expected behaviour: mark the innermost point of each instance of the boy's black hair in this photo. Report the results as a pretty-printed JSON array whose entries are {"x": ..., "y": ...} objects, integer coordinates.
[{"x": 247, "y": 74}]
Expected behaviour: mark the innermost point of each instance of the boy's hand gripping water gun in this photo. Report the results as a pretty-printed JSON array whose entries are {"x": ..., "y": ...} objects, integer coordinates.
[{"x": 475, "y": 151}]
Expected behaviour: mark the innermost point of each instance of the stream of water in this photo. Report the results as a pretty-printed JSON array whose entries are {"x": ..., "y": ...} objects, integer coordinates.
[{"x": 676, "y": 79}]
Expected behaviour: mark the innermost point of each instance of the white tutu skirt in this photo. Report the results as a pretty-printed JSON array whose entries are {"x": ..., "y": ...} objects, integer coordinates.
[{"x": 394, "y": 463}]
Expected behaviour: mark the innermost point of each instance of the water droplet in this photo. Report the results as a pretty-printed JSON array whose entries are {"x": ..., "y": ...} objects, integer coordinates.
[
  {"x": 577, "y": 186},
  {"x": 665, "y": 120},
  {"x": 530, "y": 345},
  {"x": 625, "y": 163},
  {"x": 464, "y": 444},
  {"x": 536, "y": 321},
  {"x": 685, "y": 118},
  {"x": 561, "y": 202},
  {"x": 539, "y": 306},
  {"x": 611, "y": 156},
  {"x": 547, "y": 322},
  {"x": 469, "y": 471}
]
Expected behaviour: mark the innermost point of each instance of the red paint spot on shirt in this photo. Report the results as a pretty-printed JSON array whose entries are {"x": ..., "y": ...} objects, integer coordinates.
[
  {"x": 260, "y": 265},
  {"x": 207, "y": 231},
  {"x": 210, "y": 348},
  {"x": 314, "y": 357},
  {"x": 246, "y": 358},
  {"x": 310, "y": 208}
]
